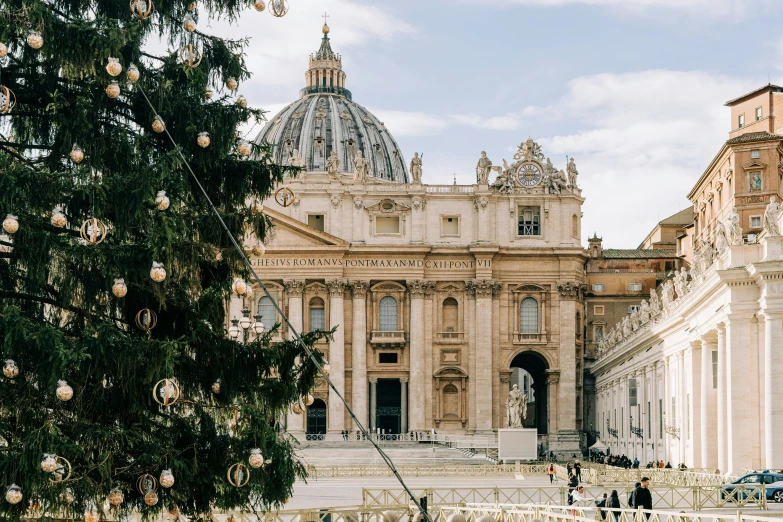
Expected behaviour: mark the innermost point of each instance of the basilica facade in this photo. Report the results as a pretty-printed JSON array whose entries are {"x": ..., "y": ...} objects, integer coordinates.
[{"x": 442, "y": 296}]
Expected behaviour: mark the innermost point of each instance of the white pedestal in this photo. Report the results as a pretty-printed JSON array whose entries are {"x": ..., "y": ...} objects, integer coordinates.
[
  {"x": 773, "y": 248},
  {"x": 517, "y": 444}
]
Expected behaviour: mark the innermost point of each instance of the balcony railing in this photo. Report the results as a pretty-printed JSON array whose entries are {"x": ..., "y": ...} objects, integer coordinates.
[
  {"x": 521, "y": 338},
  {"x": 387, "y": 337},
  {"x": 325, "y": 90},
  {"x": 451, "y": 336}
]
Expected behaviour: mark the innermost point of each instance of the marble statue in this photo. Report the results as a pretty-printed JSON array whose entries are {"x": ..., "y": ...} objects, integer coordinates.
[
  {"x": 572, "y": 173},
  {"x": 681, "y": 282},
  {"x": 416, "y": 168},
  {"x": 361, "y": 168},
  {"x": 296, "y": 159},
  {"x": 555, "y": 180},
  {"x": 635, "y": 320},
  {"x": 504, "y": 181},
  {"x": 483, "y": 167},
  {"x": 772, "y": 217},
  {"x": 644, "y": 313},
  {"x": 333, "y": 165},
  {"x": 516, "y": 407},
  {"x": 655, "y": 306},
  {"x": 667, "y": 294},
  {"x": 696, "y": 269},
  {"x": 732, "y": 228},
  {"x": 721, "y": 236},
  {"x": 626, "y": 327}
]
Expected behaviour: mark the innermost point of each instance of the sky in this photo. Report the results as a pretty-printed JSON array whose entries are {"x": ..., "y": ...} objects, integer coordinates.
[{"x": 632, "y": 89}]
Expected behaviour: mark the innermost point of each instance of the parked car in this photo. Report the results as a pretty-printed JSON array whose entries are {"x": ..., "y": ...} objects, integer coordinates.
[{"x": 773, "y": 483}]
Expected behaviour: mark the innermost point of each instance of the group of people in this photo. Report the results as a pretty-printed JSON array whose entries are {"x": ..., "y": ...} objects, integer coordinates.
[{"x": 639, "y": 498}]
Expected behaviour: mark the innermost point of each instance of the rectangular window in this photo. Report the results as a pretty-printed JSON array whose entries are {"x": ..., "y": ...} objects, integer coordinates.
[
  {"x": 529, "y": 221},
  {"x": 317, "y": 319},
  {"x": 755, "y": 221},
  {"x": 660, "y": 418},
  {"x": 633, "y": 308},
  {"x": 387, "y": 358},
  {"x": 387, "y": 224},
  {"x": 449, "y": 226},
  {"x": 755, "y": 154},
  {"x": 598, "y": 309},
  {"x": 758, "y": 113},
  {"x": 714, "y": 369},
  {"x": 599, "y": 287},
  {"x": 634, "y": 287},
  {"x": 741, "y": 120},
  {"x": 316, "y": 221}
]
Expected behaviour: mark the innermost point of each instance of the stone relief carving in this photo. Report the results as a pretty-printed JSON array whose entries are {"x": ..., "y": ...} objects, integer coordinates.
[
  {"x": 772, "y": 216},
  {"x": 388, "y": 205},
  {"x": 483, "y": 168},
  {"x": 571, "y": 290},
  {"x": 480, "y": 202},
  {"x": 333, "y": 165},
  {"x": 416, "y": 168},
  {"x": 336, "y": 287},
  {"x": 419, "y": 203},
  {"x": 470, "y": 289},
  {"x": 336, "y": 200},
  {"x": 418, "y": 288},
  {"x": 359, "y": 288},
  {"x": 294, "y": 287}
]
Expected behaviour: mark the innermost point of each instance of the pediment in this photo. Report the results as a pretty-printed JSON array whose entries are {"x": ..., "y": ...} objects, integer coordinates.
[
  {"x": 387, "y": 205},
  {"x": 288, "y": 232},
  {"x": 755, "y": 165}
]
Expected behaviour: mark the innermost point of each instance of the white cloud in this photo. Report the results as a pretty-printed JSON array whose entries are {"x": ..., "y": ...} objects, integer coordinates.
[{"x": 402, "y": 123}]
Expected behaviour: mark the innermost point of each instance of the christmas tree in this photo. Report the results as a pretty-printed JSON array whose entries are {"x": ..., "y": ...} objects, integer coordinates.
[{"x": 121, "y": 389}]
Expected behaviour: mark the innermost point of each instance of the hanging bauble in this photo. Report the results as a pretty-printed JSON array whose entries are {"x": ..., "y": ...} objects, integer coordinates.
[
  {"x": 244, "y": 148},
  {"x": 308, "y": 399},
  {"x": 3, "y": 50},
  {"x": 133, "y": 73},
  {"x": 242, "y": 101},
  {"x": 64, "y": 391},
  {"x": 278, "y": 7},
  {"x": 116, "y": 497},
  {"x": 49, "y": 463},
  {"x": 91, "y": 514},
  {"x": 14, "y": 494},
  {"x": 157, "y": 272},
  {"x": 166, "y": 392},
  {"x": 190, "y": 56},
  {"x": 77, "y": 154},
  {"x": 11, "y": 223},
  {"x": 239, "y": 286},
  {"x": 325, "y": 368},
  {"x": 203, "y": 140},
  {"x": 62, "y": 471},
  {"x": 146, "y": 483},
  {"x": 259, "y": 5},
  {"x": 297, "y": 408},
  {"x": 151, "y": 498},
  {"x": 188, "y": 23},
  {"x": 216, "y": 387},
  {"x": 166, "y": 478},
  {"x": 238, "y": 475},
  {"x": 119, "y": 288},
  {"x": 113, "y": 90},
  {"x": 162, "y": 200},
  {"x": 232, "y": 84},
  {"x": 141, "y": 9},
  {"x": 114, "y": 67},
  {"x": 58, "y": 218},
  {"x": 146, "y": 320},
  {"x": 66, "y": 497},
  {"x": 10, "y": 369},
  {"x": 208, "y": 93},
  {"x": 7, "y": 100},
  {"x": 93, "y": 231},
  {"x": 258, "y": 249},
  {"x": 256, "y": 460},
  {"x": 35, "y": 40},
  {"x": 158, "y": 125}
]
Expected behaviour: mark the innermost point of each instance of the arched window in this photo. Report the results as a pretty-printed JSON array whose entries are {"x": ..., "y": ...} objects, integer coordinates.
[
  {"x": 528, "y": 316},
  {"x": 388, "y": 314},
  {"x": 450, "y": 315},
  {"x": 266, "y": 309},
  {"x": 317, "y": 317}
]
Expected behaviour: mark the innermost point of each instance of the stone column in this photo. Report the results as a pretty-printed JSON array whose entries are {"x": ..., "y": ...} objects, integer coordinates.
[
  {"x": 693, "y": 355},
  {"x": 707, "y": 405},
  {"x": 570, "y": 293},
  {"x": 723, "y": 453},
  {"x": 773, "y": 409},
  {"x": 470, "y": 332},
  {"x": 336, "y": 414},
  {"x": 683, "y": 405},
  {"x": 552, "y": 380},
  {"x": 294, "y": 289},
  {"x": 373, "y": 399},
  {"x": 416, "y": 401},
  {"x": 404, "y": 405},
  {"x": 484, "y": 377},
  {"x": 739, "y": 415},
  {"x": 667, "y": 407},
  {"x": 428, "y": 351},
  {"x": 359, "y": 351}
]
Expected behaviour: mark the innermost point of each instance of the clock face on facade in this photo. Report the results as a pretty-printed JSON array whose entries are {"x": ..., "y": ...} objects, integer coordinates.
[{"x": 529, "y": 174}]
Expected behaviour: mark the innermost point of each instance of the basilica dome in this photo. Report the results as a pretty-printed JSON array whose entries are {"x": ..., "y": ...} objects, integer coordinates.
[{"x": 325, "y": 119}]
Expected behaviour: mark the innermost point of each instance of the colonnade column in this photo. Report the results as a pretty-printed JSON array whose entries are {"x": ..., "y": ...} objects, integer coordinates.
[
  {"x": 773, "y": 409},
  {"x": 693, "y": 355},
  {"x": 707, "y": 406},
  {"x": 683, "y": 405},
  {"x": 417, "y": 354},
  {"x": 739, "y": 414},
  {"x": 294, "y": 289},
  {"x": 336, "y": 414},
  {"x": 470, "y": 332},
  {"x": 667, "y": 403},
  {"x": 484, "y": 374},
  {"x": 570, "y": 294},
  {"x": 552, "y": 380},
  {"x": 373, "y": 402},
  {"x": 722, "y": 449},
  {"x": 404, "y": 405},
  {"x": 359, "y": 351}
]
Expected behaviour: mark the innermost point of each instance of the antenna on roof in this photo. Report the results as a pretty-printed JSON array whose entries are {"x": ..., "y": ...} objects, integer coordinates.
[{"x": 455, "y": 178}]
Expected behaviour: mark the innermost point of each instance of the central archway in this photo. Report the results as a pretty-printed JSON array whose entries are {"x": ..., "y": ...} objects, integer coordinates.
[{"x": 531, "y": 379}]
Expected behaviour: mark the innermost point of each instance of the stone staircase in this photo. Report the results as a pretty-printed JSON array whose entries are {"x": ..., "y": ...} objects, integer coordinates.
[{"x": 362, "y": 453}]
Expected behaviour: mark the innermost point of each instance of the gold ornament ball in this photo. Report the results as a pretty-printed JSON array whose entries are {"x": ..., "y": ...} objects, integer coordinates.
[
  {"x": 157, "y": 272},
  {"x": 166, "y": 478},
  {"x": 297, "y": 408},
  {"x": 216, "y": 387},
  {"x": 10, "y": 369},
  {"x": 64, "y": 391},
  {"x": 11, "y": 224},
  {"x": 242, "y": 102},
  {"x": 158, "y": 125},
  {"x": 91, "y": 515},
  {"x": 142, "y": 9},
  {"x": 259, "y": 5},
  {"x": 309, "y": 400},
  {"x": 133, "y": 73},
  {"x": 279, "y": 8},
  {"x": 166, "y": 392},
  {"x": 77, "y": 154},
  {"x": 208, "y": 93},
  {"x": 14, "y": 494},
  {"x": 113, "y": 90},
  {"x": 188, "y": 23},
  {"x": 116, "y": 497},
  {"x": 114, "y": 67},
  {"x": 258, "y": 250},
  {"x": 66, "y": 497},
  {"x": 7, "y": 103},
  {"x": 151, "y": 498},
  {"x": 119, "y": 288},
  {"x": 3, "y": 50},
  {"x": 35, "y": 40},
  {"x": 239, "y": 286},
  {"x": 256, "y": 460},
  {"x": 162, "y": 201},
  {"x": 58, "y": 218},
  {"x": 244, "y": 148},
  {"x": 203, "y": 140},
  {"x": 232, "y": 84},
  {"x": 49, "y": 463}
]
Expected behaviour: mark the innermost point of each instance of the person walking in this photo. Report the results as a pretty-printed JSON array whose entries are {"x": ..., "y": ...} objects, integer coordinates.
[
  {"x": 578, "y": 471},
  {"x": 572, "y": 484},
  {"x": 632, "y": 494},
  {"x": 551, "y": 473},
  {"x": 580, "y": 499},
  {"x": 601, "y": 503},
  {"x": 643, "y": 498},
  {"x": 569, "y": 468},
  {"x": 614, "y": 503}
]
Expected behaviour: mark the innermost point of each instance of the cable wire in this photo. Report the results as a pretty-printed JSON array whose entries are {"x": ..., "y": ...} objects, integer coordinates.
[{"x": 292, "y": 330}]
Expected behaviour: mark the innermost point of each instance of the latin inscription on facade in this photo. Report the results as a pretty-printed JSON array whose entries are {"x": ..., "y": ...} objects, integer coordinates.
[{"x": 371, "y": 263}]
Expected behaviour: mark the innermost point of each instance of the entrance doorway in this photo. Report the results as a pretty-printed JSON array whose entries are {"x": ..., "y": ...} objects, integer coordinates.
[
  {"x": 529, "y": 372},
  {"x": 388, "y": 413},
  {"x": 316, "y": 418}
]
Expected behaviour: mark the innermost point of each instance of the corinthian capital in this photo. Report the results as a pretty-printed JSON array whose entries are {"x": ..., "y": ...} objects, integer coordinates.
[
  {"x": 571, "y": 290},
  {"x": 487, "y": 288},
  {"x": 359, "y": 288},
  {"x": 336, "y": 287},
  {"x": 419, "y": 288},
  {"x": 294, "y": 287}
]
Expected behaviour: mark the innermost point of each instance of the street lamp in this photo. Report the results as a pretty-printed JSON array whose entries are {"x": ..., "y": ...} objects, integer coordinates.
[
  {"x": 246, "y": 326},
  {"x": 233, "y": 332},
  {"x": 258, "y": 326}
]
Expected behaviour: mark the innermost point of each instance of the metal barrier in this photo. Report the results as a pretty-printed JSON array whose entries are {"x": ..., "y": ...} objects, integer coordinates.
[
  {"x": 670, "y": 477},
  {"x": 476, "y": 470}
]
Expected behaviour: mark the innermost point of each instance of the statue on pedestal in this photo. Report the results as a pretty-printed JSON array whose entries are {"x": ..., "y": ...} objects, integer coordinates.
[
  {"x": 483, "y": 167},
  {"x": 333, "y": 165},
  {"x": 772, "y": 217},
  {"x": 516, "y": 407},
  {"x": 361, "y": 168},
  {"x": 416, "y": 168},
  {"x": 296, "y": 159},
  {"x": 733, "y": 229},
  {"x": 572, "y": 173}
]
